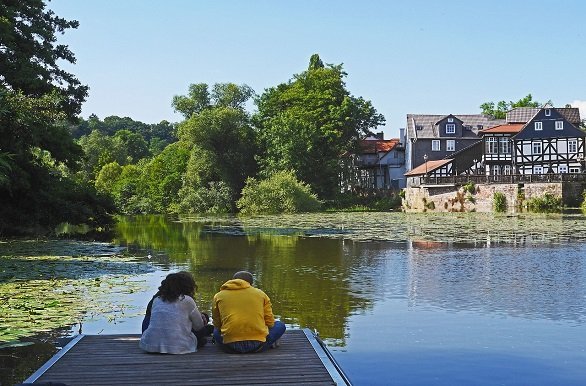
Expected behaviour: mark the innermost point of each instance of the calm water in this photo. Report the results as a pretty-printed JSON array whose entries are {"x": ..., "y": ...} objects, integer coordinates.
[{"x": 401, "y": 299}]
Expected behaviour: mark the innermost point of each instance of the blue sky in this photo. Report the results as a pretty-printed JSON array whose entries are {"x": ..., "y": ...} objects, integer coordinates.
[{"x": 427, "y": 57}]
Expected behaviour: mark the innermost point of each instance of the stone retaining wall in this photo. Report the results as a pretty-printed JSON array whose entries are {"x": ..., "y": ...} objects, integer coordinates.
[{"x": 444, "y": 198}]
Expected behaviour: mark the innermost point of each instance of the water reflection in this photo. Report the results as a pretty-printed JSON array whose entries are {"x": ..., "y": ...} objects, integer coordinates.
[
  {"x": 544, "y": 283},
  {"x": 315, "y": 283}
]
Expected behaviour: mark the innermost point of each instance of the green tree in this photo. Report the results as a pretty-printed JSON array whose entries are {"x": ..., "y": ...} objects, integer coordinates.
[
  {"x": 305, "y": 125},
  {"x": 132, "y": 145},
  {"x": 280, "y": 193},
  {"x": 221, "y": 139},
  {"x": 500, "y": 110}
]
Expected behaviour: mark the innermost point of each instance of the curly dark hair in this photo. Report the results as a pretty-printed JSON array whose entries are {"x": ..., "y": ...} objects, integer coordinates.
[{"x": 177, "y": 284}]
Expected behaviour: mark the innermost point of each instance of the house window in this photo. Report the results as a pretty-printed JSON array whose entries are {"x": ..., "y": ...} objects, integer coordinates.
[
  {"x": 491, "y": 145},
  {"x": 450, "y": 128},
  {"x": 435, "y": 145},
  {"x": 507, "y": 170},
  {"x": 547, "y": 112},
  {"x": 504, "y": 145},
  {"x": 418, "y": 127},
  {"x": 563, "y": 169},
  {"x": 468, "y": 127},
  {"x": 572, "y": 146},
  {"x": 574, "y": 170},
  {"x": 536, "y": 148},
  {"x": 559, "y": 125},
  {"x": 450, "y": 120},
  {"x": 450, "y": 145},
  {"x": 496, "y": 170},
  {"x": 538, "y": 126},
  {"x": 479, "y": 127},
  {"x": 537, "y": 170}
]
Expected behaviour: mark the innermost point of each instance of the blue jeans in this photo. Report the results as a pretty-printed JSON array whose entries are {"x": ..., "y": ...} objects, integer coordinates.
[{"x": 247, "y": 346}]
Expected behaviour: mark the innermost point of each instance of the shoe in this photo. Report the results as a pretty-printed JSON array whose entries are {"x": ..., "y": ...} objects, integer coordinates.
[{"x": 276, "y": 344}]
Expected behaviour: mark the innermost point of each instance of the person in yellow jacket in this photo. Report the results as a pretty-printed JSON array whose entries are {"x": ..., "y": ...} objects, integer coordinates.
[{"x": 243, "y": 317}]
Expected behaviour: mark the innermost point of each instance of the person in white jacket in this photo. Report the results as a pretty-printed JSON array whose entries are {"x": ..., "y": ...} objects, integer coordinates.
[{"x": 174, "y": 317}]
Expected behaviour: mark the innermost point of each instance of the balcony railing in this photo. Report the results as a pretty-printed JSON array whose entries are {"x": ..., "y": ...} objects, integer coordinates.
[{"x": 503, "y": 179}]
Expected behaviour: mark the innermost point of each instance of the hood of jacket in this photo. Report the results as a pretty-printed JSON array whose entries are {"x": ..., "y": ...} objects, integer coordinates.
[{"x": 235, "y": 284}]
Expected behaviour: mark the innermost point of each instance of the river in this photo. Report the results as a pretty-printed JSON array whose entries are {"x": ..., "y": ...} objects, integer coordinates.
[{"x": 405, "y": 299}]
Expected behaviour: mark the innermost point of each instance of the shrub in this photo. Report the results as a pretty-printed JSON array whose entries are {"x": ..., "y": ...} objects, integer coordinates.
[
  {"x": 402, "y": 193},
  {"x": 469, "y": 187},
  {"x": 216, "y": 198},
  {"x": 583, "y": 205},
  {"x": 280, "y": 193},
  {"x": 546, "y": 204},
  {"x": 499, "y": 202}
]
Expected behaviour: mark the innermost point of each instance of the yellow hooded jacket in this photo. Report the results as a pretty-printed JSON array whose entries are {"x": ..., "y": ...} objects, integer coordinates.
[{"x": 242, "y": 312}]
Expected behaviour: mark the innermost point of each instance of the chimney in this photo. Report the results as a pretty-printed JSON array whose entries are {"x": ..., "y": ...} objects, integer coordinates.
[
  {"x": 380, "y": 135},
  {"x": 402, "y": 136}
]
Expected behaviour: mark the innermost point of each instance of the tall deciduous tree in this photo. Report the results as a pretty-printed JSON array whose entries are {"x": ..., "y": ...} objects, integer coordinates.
[
  {"x": 499, "y": 111},
  {"x": 307, "y": 123},
  {"x": 36, "y": 96},
  {"x": 221, "y": 137}
]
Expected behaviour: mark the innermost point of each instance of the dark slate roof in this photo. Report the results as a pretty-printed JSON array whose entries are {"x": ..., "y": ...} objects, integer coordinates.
[
  {"x": 430, "y": 129},
  {"x": 524, "y": 114}
]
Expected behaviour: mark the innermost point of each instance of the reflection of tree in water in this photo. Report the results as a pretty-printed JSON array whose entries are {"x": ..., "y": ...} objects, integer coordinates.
[
  {"x": 538, "y": 282},
  {"x": 312, "y": 282}
]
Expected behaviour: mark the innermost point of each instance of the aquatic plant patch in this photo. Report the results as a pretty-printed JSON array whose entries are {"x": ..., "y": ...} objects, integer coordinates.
[{"x": 42, "y": 293}]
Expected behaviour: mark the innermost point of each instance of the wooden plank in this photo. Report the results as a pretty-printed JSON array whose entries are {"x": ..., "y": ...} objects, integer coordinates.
[{"x": 117, "y": 359}]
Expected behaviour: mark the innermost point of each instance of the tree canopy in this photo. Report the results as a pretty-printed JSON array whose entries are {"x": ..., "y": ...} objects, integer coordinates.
[
  {"x": 222, "y": 141},
  {"x": 305, "y": 124},
  {"x": 36, "y": 98},
  {"x": 499, "y": 111}
]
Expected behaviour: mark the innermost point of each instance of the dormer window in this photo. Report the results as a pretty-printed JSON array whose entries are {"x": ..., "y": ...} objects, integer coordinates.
[
  {"x": 547, "y": 112},
  {"x": 559, "y": 125},
  {"x": 479, "y": 127},
  {"x": 418, "y": 127},
  {"x": 450, "y": 128},
  {"x": 450, "y": 120},
  {"x": 538, "y": 126},
  {"x": 468, "y": 127}
]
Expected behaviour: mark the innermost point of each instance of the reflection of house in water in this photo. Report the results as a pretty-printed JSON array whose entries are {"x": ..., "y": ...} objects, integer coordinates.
[{"x": 542, "y": 282}]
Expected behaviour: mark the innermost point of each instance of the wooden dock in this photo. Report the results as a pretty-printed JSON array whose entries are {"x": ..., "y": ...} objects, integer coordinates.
[{"x": 117, "y": 360}]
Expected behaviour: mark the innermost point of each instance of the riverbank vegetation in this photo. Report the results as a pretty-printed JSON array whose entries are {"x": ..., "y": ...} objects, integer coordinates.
[
  {"x": 38, "y": 101},
  {"x": 548, "y": 203},
  {"x": 62, "y": 168}
]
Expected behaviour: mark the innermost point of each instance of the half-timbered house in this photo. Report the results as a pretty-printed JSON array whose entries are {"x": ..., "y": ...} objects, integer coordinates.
[
  {"x": 549, "y": 143},
  {"x": 378, "y": 164}
]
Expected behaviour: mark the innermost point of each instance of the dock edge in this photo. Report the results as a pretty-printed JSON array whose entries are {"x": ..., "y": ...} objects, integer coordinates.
[
  {"x": 327, "y": 359},
  {"x": 37, "y": 374}
]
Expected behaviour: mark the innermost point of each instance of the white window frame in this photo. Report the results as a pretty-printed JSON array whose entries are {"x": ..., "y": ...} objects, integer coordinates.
[
  {"x": 436, "y": 145},
  {"x": 537, "y": 169},
  {"x": 450, "y": 128},
  {"x": 535, "y": 146},
  {"x": 451, "y": 145},
  {"x": 574, "y": 170},
  {"x": 547, "y": 112},
  {"x": 559, "y": 125},
  {"x": 495, "y": 170},
  {"x": 507, "y": 170},
  {"x": 572, "y": 146},
  {"x": 504, "y": 145},
  {"x": 450, "y": 120},
  {"x": 491, "y": 145},
  {"x": 538, "y": 126},
  {"x": 563, "y": 169}
]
